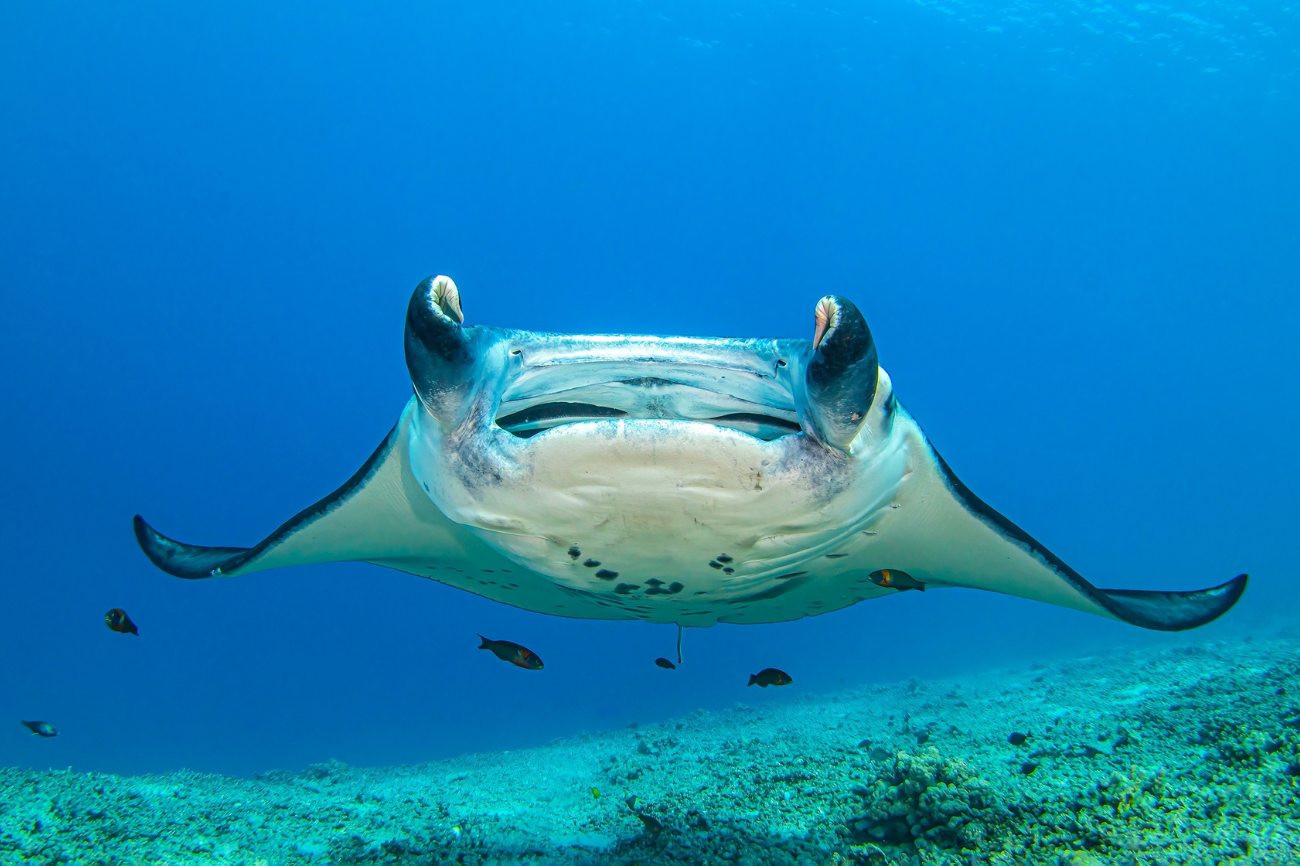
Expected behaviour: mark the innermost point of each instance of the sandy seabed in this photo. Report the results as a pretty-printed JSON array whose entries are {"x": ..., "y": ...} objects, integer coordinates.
[{"x": 1187, "y": 755}]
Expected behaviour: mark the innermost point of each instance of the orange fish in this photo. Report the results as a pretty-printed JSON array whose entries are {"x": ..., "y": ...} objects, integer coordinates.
[
  {"x": 509, "y": 651},
  {"x": 892, "y": 578},
  {"x": 119, "y": 622}
]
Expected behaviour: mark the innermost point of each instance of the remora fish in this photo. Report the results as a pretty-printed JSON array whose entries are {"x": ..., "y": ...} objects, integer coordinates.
[{"x": 667, "y": 479}]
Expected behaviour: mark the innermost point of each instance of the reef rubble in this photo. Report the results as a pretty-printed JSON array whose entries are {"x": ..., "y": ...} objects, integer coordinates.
[{"x": 1186, "y": 754}]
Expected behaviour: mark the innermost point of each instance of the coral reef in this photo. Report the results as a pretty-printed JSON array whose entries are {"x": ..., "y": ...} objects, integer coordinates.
[{"x": 928, "y": 800}]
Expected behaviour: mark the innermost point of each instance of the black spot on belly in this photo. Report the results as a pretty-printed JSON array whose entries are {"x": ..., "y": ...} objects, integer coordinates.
[
  {"x": 606, "y": 574},
  {"x": 790, "y": 575},
  {"x": 835, "y": 555},
  {"x": 713, "y": 563},
  {"x": 512, "y": 585},
  {"x": 591, "y": 563},
  {"x": 625, "y": 588},
  {"x": 728, "y": 570},
  {"x": 488, "y": 571},
  {"x": 654, "y": 581},
  {"x": 722, "y": 557},
  {"x": 575, "y": 552}
]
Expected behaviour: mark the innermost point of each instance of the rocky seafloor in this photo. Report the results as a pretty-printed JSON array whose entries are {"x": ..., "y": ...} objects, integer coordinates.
[{"x": 1187, "y": 754}]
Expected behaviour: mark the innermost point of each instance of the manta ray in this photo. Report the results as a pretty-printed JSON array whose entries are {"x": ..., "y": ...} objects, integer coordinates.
[{"x": 668, "y": 479}]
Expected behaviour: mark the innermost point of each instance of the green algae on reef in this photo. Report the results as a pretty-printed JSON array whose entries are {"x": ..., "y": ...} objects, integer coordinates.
[{"x": 1182, "y": 755}]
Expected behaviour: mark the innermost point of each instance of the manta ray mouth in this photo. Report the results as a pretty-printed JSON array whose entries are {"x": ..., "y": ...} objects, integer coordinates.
[
  {"x": 546, "y": 416},
  {"x": 549, "y": 397}
]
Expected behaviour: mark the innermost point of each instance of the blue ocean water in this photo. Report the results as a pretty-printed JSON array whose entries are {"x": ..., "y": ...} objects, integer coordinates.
[{"x": 1074, "y": 230}]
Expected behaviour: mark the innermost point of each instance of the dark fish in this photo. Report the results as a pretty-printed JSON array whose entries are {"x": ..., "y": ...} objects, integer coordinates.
[
  {"x": 652, "y": 825},
  {"x": 667, "y": 665},
  {"x": 41, "y": 729},
  {"x": 770, "y": 677},
  {"x": 1028, "y": 767},
  {"x": 892, "y": 578},
  {"x": 119, "y": 622},
  {"x": 509, "y": 651},
  {"x": 1017, "y": 738}
]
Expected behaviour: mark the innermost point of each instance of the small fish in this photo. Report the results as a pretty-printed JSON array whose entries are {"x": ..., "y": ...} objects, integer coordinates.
[
  {"x": 892, "y": 578},
  {"x": 770, "y": 677},
  {"x": 118, "y": 621},
  {"x": 1017, "y": 738},
  {"x": 42, "y": 729},
  {"x": 595, "y": 793},
  {"x": 1028, "y": 767},
  {"x": 509, "y": 651},
  {"x": 665, "y": 664},
  {"x": 630, "y": 799},
  {"x": 652, "y": 825}
]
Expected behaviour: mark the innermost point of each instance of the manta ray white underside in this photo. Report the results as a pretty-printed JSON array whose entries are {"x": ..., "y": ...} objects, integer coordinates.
[{"x": 669, "y": 479}]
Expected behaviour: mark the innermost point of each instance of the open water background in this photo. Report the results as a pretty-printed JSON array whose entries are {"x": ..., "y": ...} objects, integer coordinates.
[{"x": 1073, "y": 228}]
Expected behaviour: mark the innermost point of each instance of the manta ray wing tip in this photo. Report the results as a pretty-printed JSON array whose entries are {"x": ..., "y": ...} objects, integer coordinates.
[
  {"x": 189, "y": 561},
  {"x": 1174, "y": 610}
]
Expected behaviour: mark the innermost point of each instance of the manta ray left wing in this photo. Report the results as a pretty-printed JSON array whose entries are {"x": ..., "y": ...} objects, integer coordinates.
[{"x": 380, "y": 515}]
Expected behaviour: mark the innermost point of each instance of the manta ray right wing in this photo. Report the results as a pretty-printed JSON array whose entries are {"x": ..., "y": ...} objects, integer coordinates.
[
  {"x": 950, "y": 537},
  {"x": 1162, "y": 610}
]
